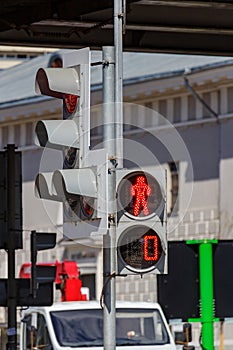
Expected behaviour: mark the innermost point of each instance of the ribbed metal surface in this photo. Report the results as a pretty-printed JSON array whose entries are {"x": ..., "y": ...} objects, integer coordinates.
[{"x": 18, "y": 83}]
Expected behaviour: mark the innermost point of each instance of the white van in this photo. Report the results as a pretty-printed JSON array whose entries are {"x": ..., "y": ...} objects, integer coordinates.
[{"x": 79, "y": 325}]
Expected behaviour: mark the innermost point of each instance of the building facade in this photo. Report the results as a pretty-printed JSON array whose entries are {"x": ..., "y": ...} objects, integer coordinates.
[{"x": 175, "y": 129}]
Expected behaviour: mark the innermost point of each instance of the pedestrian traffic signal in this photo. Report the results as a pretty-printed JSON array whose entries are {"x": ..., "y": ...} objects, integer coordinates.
[{"x": 141, "y": 226}]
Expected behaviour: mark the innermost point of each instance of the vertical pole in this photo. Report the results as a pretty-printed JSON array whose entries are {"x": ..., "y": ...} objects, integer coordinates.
[
  {"x": 221, "y": 340},
  {"x": 118, "y": 23},
  {"x": 109, "y": 240},
  {"x": 11, "y": 288},
  {"x": 206, "y": 294},
  {"x": 33, "y": 280}
]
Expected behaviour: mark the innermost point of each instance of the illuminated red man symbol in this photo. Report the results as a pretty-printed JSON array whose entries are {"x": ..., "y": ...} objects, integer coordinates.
[{"x": 141, "y": 191}]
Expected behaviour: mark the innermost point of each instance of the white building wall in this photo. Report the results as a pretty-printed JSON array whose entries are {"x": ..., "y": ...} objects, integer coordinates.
[{"x": 200, "y": 202}]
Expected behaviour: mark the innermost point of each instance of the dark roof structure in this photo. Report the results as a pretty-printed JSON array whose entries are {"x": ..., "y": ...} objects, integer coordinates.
[{"x": 175, "y": 26}]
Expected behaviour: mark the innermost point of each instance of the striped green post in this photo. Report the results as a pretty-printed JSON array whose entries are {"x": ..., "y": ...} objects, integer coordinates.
[
  {"x": 206, "y": 294},
  {"x": 206, "y": 291}
]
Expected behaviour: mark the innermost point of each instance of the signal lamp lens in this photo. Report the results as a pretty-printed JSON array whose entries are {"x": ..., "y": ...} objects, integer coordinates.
[
  {"x": 70, "y": 158},
  {"x": 87, "y": 206},
  {"x": 71, "y": 102},
  {"x": 139, "y": 195},
  {"x": 140, "y": 248}
]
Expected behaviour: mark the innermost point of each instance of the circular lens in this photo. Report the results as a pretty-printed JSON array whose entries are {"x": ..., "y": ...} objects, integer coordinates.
[
  {"x": 139, "y": 195},
  {"x": 71, "y": 102},
  {"x": 70, "y": 158},
  {"x": 140, "y": 248},
  {"x": 71, "y": 209},
  {"x": 87, "y": 206}
]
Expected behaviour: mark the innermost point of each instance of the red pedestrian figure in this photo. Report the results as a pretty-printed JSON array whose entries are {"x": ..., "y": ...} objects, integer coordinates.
[{"x": 141, "y": 191}]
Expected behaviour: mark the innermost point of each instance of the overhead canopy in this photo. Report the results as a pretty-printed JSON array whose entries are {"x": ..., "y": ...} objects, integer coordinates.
[{"x": 174, "y": 26}]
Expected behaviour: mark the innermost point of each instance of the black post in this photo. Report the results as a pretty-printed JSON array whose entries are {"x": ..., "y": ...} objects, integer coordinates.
[
  {"x": 11, "y": 286},
  {"x": 33, "y": 282}
]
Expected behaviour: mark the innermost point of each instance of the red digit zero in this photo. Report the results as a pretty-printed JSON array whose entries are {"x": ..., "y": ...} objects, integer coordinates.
[{"x": 151, "y": 242}]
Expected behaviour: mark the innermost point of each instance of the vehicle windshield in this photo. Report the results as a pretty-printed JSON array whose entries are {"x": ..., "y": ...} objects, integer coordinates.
[{"x": 84, "y": 328}]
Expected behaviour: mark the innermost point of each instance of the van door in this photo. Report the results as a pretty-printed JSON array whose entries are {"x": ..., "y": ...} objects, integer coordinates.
[{"x": 35, "y": 336}]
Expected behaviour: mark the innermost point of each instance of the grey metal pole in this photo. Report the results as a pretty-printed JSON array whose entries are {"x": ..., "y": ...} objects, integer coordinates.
[
  {"x": 109, "y": 240},
  {"x": 118, "y": 24},
  {"x": 11, "y": 286}
]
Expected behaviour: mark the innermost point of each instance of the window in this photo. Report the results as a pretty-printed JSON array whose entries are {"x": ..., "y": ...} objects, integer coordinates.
[
  {"x": 230, "y": 99},
  {"x": 36, "y": 338},
  {"x": 22, "y": 56},
  {"x": 191, "y": 108},
  {"x": 27, "y": 332},
  {"x": 172, "y": 188},
  {"x": 136, "y": 327},
  {"x": 96, "y": 123},
  {"x": 5, "y": 132},
  {"x": 148, "y": 120},
  {"x": 28, "y": 134},
  {"x": 17, "y": 134},
  {"x": 42, "y": 339},
  {"x": 148, "y": 105},
  {"x": 127, "y": 117},
  {"x": 177, "y": 110},
  {"x": 162, "y": 109},
  {"x": 132, "y": 117},
  {"x": 207, "y": 99},
  {"x": 135, "y": 117}
]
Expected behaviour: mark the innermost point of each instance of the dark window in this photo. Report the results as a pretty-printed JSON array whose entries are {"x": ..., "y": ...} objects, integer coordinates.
[
  {"x": 191, "y": 108},
  {"x": 148, "y": 114},
  {"x": 174, "y": 173},
  {"x": 36, "y": 338},
  {"x": 96, "y": 125},
  {"x": 42, "y": 339},
  {"x": 230, "y": 99},
  {"x": 17, "y": 134},
  {"x": 162, "y": 111},
  {"x": 29, "y": 131},
  {"x": 5, "y": 132},
  {"x": 177, "y": 110},
  {"x": 206, "y": 97},
  {"x": 28, "y": 333},
  {"x": 84, "y": 328},
  {"x": 127, "y": 112},
  {"x": 163, "y": 108},
  {"x": 22, "y": 56},
  {"x": 148, "y": 105}
]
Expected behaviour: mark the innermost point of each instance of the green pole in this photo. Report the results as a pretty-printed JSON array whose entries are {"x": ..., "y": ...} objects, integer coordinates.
[{"x": 206, "y": 294}]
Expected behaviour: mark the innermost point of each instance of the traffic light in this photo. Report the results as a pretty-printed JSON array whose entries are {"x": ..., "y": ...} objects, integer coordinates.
[
  {"x": 141, "y": 226},
  {"x": 41, "y": 274},
  {"x": 11, "y": 199},
  {"x": 71, "y": 84},
  {"x": 81, "y": 185}
]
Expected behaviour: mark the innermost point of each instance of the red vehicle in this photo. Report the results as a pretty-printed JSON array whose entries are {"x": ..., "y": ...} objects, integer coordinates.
[{"x": 67, "y": 279}]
